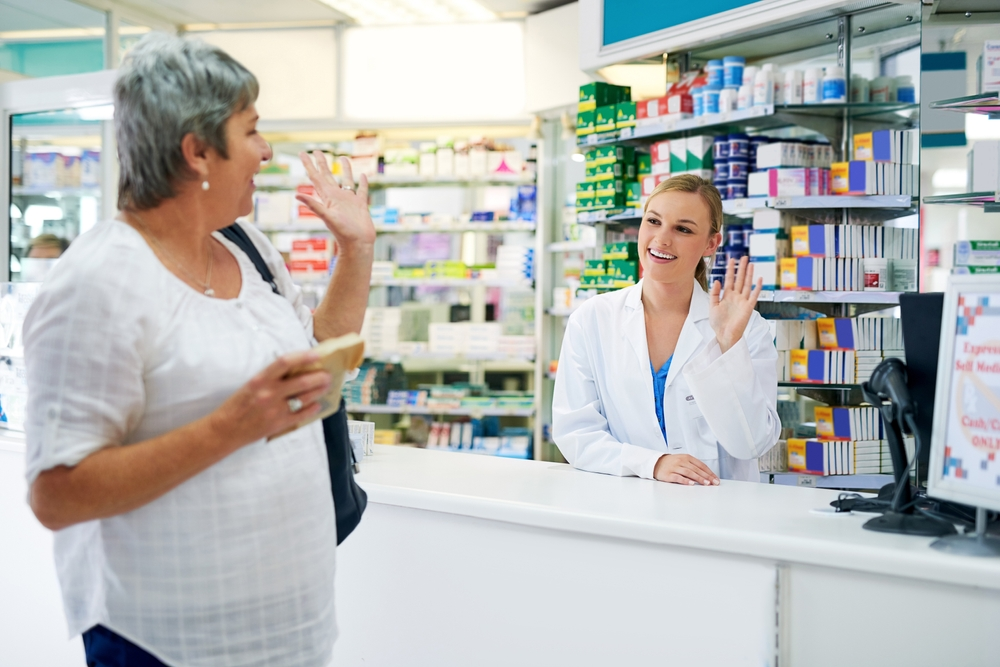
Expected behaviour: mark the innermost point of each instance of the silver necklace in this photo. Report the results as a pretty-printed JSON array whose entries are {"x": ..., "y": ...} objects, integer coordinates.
[{"x": 207, "y": 285}]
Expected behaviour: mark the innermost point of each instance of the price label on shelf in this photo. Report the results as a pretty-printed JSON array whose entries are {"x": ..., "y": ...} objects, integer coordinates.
[
  {"x": 626, "y": 133},
  {"x": 591, "y": 139},
  {"x": 782, "y": 202},
  {"x": 758, "y": 111},
  {"x": 806, "y": 480}
]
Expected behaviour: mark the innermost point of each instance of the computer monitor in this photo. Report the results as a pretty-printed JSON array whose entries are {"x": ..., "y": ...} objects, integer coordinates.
[
  {"x": 920, "y": 315},
  {"x": 965, "y": 440}
]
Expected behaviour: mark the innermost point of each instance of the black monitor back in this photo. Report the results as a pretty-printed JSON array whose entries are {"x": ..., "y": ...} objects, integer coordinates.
[{"x": 921, "y": 321}]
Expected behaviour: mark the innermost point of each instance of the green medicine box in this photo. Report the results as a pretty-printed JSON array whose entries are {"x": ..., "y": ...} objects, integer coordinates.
[
  {"x": 611, "y": 154},
  {"x": 585, "y": 123},
  {"x": 633, "y": 193},
  {"x": 594, "y": 267},
  {"x": 597, "y": 94},
  {"x": 605, "y": 281},
  {"x": 614, "y": 186},
  {"x": 615, "y": 170},
  {"x": 604, "y": 119},
  {"x": 625, "y": 116},
  {"x": 586, "y": 189},
  {"x": 643, "y": 164},
  {"x": 699, "y": 152},
  {"x": 622, "y": 269},
  {"x": 585, "y": 203},
  {"x": 612, "y": 201},
  {"x": 627, "y": 250}
]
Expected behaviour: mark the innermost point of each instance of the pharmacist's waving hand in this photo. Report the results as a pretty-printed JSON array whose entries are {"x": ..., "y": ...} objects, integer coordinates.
[
  {"x": 730, "y": 313},
  {"x": 344, "y": 210}
]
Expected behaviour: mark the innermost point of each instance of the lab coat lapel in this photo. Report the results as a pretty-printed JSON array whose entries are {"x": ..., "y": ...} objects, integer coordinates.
[
  {"x": 691, "y": 338},
  {"x": 634, "y": 327}
]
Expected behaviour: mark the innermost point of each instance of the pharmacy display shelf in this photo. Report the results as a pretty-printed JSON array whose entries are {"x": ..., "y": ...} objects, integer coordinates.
[
  {"x": 571, "y": 246},
  {"x": 430, "y": 361},
  {"x": 761, "y": 117},
  {"x": 990, "y": 201},
  {"x": 751, "y": 204},
  {"x": 828, "y": 481},
  {"x": 818, "y": 385},
  {"x": 805, "y": 296},
  {"x": 29, "y": 190},
  {"x": 286, "y": 182},
  {"x": 594, "y": 217},
  {"x": 484, "y": 227},
  {"x": 984, "y": 103},
  {"x": 452, "y": 282},
  {"x": 452, "y": 412},
  {"x": 293, "y": 228},
  {"x": 561, "y": 312}
]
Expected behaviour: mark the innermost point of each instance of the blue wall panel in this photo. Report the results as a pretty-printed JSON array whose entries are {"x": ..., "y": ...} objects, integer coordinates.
[{"x": 625, "y": 19}]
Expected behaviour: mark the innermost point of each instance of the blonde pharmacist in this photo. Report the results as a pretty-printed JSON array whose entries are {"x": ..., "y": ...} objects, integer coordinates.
[{"x": 663, "y": 380}]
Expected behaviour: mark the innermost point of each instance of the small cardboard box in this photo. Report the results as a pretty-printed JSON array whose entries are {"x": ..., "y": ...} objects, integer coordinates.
[
  {"x": 623, "y": 269},
  {"x": 625, "y": 115},
  {"x": 643, "y": 164},
  {"x": 585, "y": 189},
  {"x": 597, "y": 94},
  {"x": 633, "y": 193},
  {"x": 840, "y": 178},
  {"x": 594, "y": 267},
  {"x": 613, "y": 186},
  {"x": 605, "y": 118},
  {"x": 626, "y": 250},
  {"x": 585, "y": 203},
  {"x": 699, "y": 152},
  {"x": 585, "y": 123},
  {"x": 611, "y": 201},
  {"x": 678, "y": 155}
]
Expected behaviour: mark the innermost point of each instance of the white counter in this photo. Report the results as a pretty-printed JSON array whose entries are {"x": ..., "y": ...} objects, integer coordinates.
[
  {"x": 742, "y": 518},
  {"x": 549, "y": 565}
]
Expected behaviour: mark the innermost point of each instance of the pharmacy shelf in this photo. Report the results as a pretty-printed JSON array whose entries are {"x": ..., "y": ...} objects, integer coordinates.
[
  {"x": 594, "y": 217},
  {"x": 571, "y": 246},
  {"x": 828, "y": 481},
  {"x": 428, "y": 362},
  {"x": 453, "y": 412},
  {"x": 804, "y": 296},
  {"x": 286, "y": 182},
  {"x": 560, "y": 312},
  {"x": 294, "y": 229},
  {"x": 983, "y": 103},
  {"x": 990, "y": 201},
  {"x": 451, "y": 282},
  {"x": 484, "y": 227},
  {"x": 29, "y": 190},
  {"x": 760, "y": 117},
  {"x": 818, "y": 385},
  {"x": 749, "y": 205}
]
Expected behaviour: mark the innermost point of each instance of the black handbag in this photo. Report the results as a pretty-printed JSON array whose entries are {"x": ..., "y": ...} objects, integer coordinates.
[{"x": 349, "y": 499}]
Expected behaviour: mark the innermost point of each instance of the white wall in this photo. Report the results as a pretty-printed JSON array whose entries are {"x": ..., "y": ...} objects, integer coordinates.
[
  {"x": 434, "y": 73},
  {"x": 297, "y": 69},
  {"x": 552, "y": 62}
]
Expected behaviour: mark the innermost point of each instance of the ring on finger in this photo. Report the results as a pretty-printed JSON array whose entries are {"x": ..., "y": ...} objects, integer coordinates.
[{"x": 295, "y": 404}]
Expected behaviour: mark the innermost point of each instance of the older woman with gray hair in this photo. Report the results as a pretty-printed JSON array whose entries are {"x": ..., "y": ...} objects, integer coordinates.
[{"x": 157, "y": 371}]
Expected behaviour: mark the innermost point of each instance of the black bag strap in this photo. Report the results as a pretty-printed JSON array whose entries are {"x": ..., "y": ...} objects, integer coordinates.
[{"x": 235, "y": 233}]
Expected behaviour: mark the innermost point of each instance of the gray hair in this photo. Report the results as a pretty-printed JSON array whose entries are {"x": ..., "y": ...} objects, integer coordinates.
[{"x": 166, "y": 88}]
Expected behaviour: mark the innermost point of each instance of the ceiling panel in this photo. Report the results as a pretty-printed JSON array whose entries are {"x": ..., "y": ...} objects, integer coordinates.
[
  {"x": 236, "y": 11},
  {"x": 46, "y": 15}
]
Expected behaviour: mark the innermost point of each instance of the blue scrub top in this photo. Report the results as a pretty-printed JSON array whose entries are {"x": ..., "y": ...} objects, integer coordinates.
[{"x": 659, "y": 386}]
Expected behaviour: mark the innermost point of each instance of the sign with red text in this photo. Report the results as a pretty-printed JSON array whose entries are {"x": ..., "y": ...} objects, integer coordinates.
[{"x": 973, "y": 431}]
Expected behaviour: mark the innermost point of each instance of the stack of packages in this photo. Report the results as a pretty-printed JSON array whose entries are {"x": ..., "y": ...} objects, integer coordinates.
[
  {"x": 884, "y": 164},
  {"x": 833, "y": 350},
  {"x": 311, "y": 258},
  {"x": 850, "y": 441},
  {"x": 977, "y": 257},
  {"x": 464, "y": 338},
  {"x": 515, "y": 263},
  {"x": 788, "y": 253},
  {"x": 676, "y": 104},
  {"x": 374, "y": 382},
  {"x": 617, "y": 268},
  {"x": 380, "y": 331},
  {"x": 610, "y": 180},
  {"x": 735, "y": 246},
  {"x": 481, "y": 436},
  {"x": 693, "y": 155},
  {"x": 791, "y": 169},
  {"x": 602, "y": 107}
]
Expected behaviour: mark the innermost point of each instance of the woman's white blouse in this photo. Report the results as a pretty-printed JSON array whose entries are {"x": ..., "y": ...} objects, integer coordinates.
[{"x": 236, "y": 565}]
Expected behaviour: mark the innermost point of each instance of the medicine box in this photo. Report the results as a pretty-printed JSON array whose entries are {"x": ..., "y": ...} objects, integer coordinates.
[
  {"x": 651, "y": 109},
  {"x": 977, "y": 253},
  {"x": 585, "y": 123},
  {"x": 839, "y": 178},
  {"x": 609, "y": 201},
  {"x": 633, "y": 194},
  {"x": 984, "y": 162},
  {"x": 628, "y": 250},
  {"x": 594, "y": 267},
  {"x": 607, "y": 188},
  {"x": 758, "y": 184},
  {"x": 699, "y": 152},
  {"x": 788, "y": 182},
  {"x": 781, "y": 154},
  {"x": 990, "y": 69},
  {"x": 678, "y": 155},
  {"x": 624, "y": 270},
  {"x": 625, "y": 115},
  {"x": 584, "y": 203},
  {"x": 680, "y": 103},
  {"x": 604, "y": 118},
  {"x": 599, "y": 94},
  {"x": 586, "y": 189},
  {"x": 648, "y": 184},
  {"x": 660, "y": 158},
  {"x": 643, "y": 164}
]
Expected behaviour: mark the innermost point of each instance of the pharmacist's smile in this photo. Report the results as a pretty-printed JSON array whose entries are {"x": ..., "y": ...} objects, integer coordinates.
[{"x": 660, "y": 257}]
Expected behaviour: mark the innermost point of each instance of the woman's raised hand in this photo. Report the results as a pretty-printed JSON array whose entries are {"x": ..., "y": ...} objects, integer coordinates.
[
  {"x": 263, "y": 407},
  {"x": 730, "y": 314},
  {"x": 344, "y": 211}
]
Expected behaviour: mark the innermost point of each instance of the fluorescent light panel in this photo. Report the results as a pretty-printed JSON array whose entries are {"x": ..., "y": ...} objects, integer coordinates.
[{"x": 393, "y": 12}]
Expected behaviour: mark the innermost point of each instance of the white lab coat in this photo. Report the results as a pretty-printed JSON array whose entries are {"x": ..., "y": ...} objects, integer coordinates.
[{"x": 719, "y": 408}]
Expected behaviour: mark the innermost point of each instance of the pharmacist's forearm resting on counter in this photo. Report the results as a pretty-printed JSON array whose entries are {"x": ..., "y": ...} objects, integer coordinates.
[
  {"x": 342, "y": 310},
  {"x": 736, "y": 392},
  {"x": 119, "y": 479}
]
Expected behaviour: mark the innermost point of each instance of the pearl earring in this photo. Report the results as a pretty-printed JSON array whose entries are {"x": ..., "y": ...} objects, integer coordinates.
[{"x": 204, "y": 185}]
